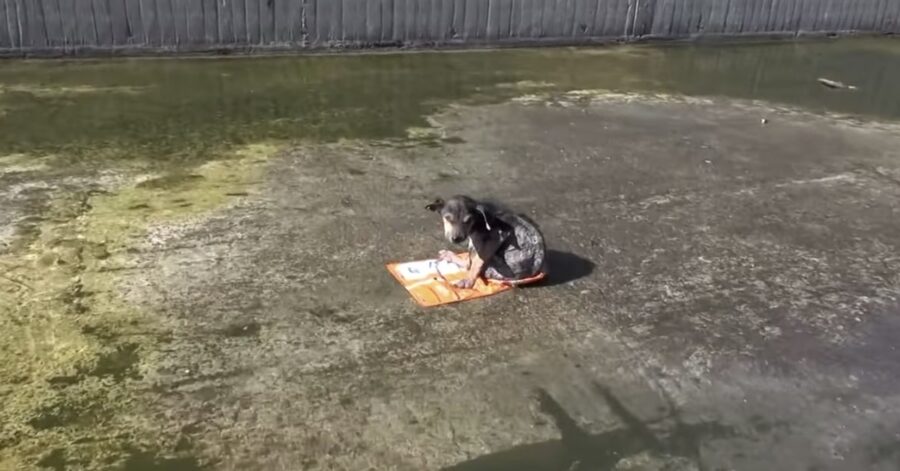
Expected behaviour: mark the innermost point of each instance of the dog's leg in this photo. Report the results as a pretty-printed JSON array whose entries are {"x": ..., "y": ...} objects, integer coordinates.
[
  {"x": 448, "y": 256},
  {"x": 482, "y": 250}
]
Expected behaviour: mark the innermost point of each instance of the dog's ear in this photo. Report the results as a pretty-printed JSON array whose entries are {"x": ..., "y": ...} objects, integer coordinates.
[{"x": 436, "y": 205}]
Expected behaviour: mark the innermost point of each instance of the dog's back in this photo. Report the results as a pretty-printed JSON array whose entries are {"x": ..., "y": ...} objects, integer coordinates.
[{"x": 522, "y": 254}]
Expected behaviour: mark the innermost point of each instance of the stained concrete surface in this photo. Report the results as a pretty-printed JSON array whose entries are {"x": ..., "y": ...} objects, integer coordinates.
[
  {"x": 723, "y": 294},
  {"x": 733, "y": 303}
]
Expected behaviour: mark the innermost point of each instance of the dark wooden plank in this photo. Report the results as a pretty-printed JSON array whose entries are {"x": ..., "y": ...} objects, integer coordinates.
[
  {"x": 505, "y": 14},
  {"x": 84, "y": 22},
  {"x": 588, "y": 9},
  {"x": 816, "y": 11},
  {"x": 182, "y": 21},
  {"x": 398, "y": 22},
  {"x": 361, "y": 23},
  {"x": 398, "y": 19},
  {"x": 445, "y": 19},
  {"x": 677, "y": 13},
  {"x": 689, "y": 17},
  {"x": 428, "y": 19},
  {"x": 581, "y": 18},
  {"x": 225, "y": 22},
  {"x": 847, "y": 15},
  {"x": 118, "y": 24},
  {"x": 55, "y": 34},
  {"x": 547, "y": 16},
  {"x": 881, "y": 15},
  {"x": 629, "y": 17},
  {"x": 681, "y": 18},
  {"x": 418, "y": 10},
  {"x": 748, "y": 16},
  {"x": 733, "y": 17},
  {"x": 832, "y": 15},
  {"x": 617, "y": 19},
  {"x": 252, "y": 20},
  {"x": 772, "y": 16},
  {"x": 6, "y": 39},
  {"x": 41, "y": 37},
  {"x": 567, "y": 18},
  {"x": 530, "y": 25},
  {"x": 522, "y": 19},
  {"x": 894, "y": 16},
  {"x": 553, "y": 22},
  {"x": 818, "y": 16},
  {"x": 305, "y": 32},
  {"x": 515, "y": 18},
  {"x": 372, "y": 21},
  {"x": 606, "y": 10},
  {"x": 860, "y": 16},
  {"x": 597, "y": 18},
  {"x": 31, "y": 28},
  {"x": 715, "y": 17},
  {"x": 345, "y": 7},
  {"x": 870, "y": 16},
  {"x": 492, "y": 21},
  {"x": 457, "y": 20},
  {"x": 777, "y": 20},
  {"x": 411, "y": 22},
  {"x": 16, "y": 23},
  {"x": 741, "y": 12},
  {"x": 104, "y": 22},
  {"x": 164, "y": 18},
  {"x": 802, "y": 14},
  {"x": 701, "y": 16},
  {"x": 437, "y": 19},
  {"x": 323, "y": 10},
  {"x": 210, "y": 21},
  {"x": 482, "y": 8},
  {"x": 752, "y": 16},
  {"x": 790, "y": 16},
  {"x": 683, "y": 14},
  {"x": 469, "y": 22},
  {"x": 662, "y": 18},
  {"x": 387, "y": 20},
  {"x": 239, "y": 22},
  {"x": 265, "y": 21}
]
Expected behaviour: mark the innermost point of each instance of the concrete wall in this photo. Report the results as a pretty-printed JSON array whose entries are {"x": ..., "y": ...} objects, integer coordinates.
[{"x": 71, "y": 26}]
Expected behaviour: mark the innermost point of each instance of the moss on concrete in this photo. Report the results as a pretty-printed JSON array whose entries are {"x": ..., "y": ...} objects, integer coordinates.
[{"x": 72, "y": 384}]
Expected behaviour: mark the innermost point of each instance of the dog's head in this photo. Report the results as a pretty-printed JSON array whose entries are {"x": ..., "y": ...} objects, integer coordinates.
[{"x": 461, "y": 216}]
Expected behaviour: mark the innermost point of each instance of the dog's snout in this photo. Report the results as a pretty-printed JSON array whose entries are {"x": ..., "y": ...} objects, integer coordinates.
[{"x": 457, "y": 239}]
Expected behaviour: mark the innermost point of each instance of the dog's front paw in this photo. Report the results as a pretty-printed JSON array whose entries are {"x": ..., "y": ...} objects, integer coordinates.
[
  {"x": 465, "y": 284},
  {"x": 446, "y": 256}
]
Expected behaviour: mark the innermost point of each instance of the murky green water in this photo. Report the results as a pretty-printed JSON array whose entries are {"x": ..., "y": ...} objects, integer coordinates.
[{"x": 184, "y": 110}]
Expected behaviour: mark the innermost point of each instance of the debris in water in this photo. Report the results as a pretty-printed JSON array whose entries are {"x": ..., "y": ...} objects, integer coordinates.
[{"x": 835, "y": 84}]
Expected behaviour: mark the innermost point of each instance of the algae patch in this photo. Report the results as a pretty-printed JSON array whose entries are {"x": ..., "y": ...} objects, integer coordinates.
[
  {"x": 80, "y": 350},
  {"x": 62, "y": 91}
]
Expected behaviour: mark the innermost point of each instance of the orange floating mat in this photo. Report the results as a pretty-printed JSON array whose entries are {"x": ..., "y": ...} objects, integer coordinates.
[{"x": 430, "y": 282}]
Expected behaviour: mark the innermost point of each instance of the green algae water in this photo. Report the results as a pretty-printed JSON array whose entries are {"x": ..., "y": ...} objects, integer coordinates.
[{"x": 181, "y": 110}]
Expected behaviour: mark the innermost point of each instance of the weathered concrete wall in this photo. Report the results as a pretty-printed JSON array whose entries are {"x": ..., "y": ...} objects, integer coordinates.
[{"x": 71, "y": 26}]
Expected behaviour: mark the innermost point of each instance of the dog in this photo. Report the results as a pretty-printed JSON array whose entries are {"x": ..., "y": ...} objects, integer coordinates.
[{"x": 503, "y": 245}]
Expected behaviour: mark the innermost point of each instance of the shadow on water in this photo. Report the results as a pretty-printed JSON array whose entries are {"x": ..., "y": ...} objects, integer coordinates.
[
  {"x": 578, "y": 449},
  {"x": 565, "y": 267}
]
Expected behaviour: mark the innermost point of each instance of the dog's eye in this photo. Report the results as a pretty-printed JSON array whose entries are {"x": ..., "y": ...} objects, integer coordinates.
[{"x": 448, "y": 218}]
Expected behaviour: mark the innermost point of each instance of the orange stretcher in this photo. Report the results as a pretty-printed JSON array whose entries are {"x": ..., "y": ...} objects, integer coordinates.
[{"x": 430, "y": 282}]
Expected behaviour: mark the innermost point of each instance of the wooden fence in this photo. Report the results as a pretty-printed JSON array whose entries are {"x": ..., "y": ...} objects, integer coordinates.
[{"x": 72, "y": 26}]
